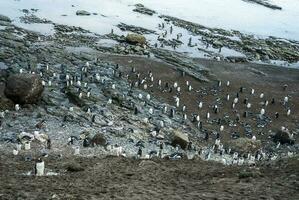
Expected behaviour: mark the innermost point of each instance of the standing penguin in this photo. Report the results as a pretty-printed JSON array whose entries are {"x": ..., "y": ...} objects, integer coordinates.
[{"x": 39, "y": 167}]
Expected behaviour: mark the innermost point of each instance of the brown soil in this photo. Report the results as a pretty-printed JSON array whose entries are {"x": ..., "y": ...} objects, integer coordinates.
[{"x": 120, "y": 178}]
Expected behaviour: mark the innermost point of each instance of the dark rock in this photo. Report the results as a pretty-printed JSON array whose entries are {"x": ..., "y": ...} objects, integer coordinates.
[
  {"x": 135, "y": 29},
  {"x": 24, "y": 88},
  {"x": 74, "y": 167},
  {"x": 83, "y": 13},
  {"x": 4, "y": 18},
  {"x": 284, "y": 137},
  {"x": 143, "y": 10},
  {"x": 98, "y": 139},
  {"x": 181, "y": 139}
]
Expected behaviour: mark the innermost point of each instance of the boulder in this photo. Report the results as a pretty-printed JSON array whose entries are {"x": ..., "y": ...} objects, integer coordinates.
[
  {"x": 73, "y": 167},
  {"x": 180, "y": 138},
  {"x": 98, "y": 139},
  {"x": 24, "y": 88},
  {"x": 284, "y": 137},
  {"x": 83, "y": 13},
  {"x": 4, "y": 18},
  {"x": 244, "y": 145},
  {"x": 134, "y": 38}
]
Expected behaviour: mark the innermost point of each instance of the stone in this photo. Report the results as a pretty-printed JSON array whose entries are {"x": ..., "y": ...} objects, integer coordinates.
[
  {"x": 284, "y": 137},
  {"x": 180, "y": 138},
  {"x": 24, "y": 88},
  {"x": 243, "y": 145},
  {"x": 98, "y": 139},
  {"x": 82, "y": 13},
  {"x": 73, "y": 167},
  {"x": 134, "y": 38},
  {"x": 4, "y": 18}
]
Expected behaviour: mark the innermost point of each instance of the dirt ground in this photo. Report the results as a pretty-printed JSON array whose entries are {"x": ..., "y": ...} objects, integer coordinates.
[{"x": 120, "y": 178}]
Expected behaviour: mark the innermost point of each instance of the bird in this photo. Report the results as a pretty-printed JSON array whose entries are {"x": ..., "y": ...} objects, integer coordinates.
[
  {"x": 39, "y": 167},
  {"x": 140, "y": 96},
  {"x": 288, "y": 112},
  {"x": 227, "y": 83},
  {"x": 17, "y": 107},
  {"x": 285, "y": 100},
  {"x": 236, "y": 100},
  {"x": 221, "y": 128},
  {"x": 15, "y": 152},
  {"x": 208, "y": 115},
  {"x": 248, "y": 105},
  {"x": 253, "y": 138},
  {"x": 252, "y": 91},
  {"x": 227, "y": 97},
  {"x": 200, "y": 105},
  {"x": 77, "y": 151},
  {"x": 262, "y": 112},
  {"x": 262, "y": 95}
]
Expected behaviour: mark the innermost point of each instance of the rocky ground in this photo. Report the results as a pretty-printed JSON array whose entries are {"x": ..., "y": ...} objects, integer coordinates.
[{"x": 111, "y": 98}]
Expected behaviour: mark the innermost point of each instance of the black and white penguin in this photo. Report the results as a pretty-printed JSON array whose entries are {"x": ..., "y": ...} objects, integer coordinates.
[{"x": 39, "y": 167}]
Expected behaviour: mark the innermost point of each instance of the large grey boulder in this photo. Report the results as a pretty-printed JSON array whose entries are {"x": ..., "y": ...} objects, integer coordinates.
[{"x": 24, "y": 88}]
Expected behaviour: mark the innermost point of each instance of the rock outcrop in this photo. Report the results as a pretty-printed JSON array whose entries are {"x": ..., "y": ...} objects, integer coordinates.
[
  {"x": 134, "y": 38},
  {"x": 24, "y": 88}
]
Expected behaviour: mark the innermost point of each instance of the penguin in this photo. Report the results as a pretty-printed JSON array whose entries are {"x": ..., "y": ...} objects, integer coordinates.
[
  {"x": 148, "y": 97},
  {"x": 172, "y": 112},
  {"x": 285, "y": 86},
  {"x": 184, "y": 108},
  {"x": 135, "y": 110},
  {"x": 21, "y": 71},
  {"x": 208, "y": 115},
  {"x": 262, "y": 112},
  {"x": 227, "y": 83},
  {"x": 17, "y": 107},
  {"x": 139, "y": 153},
  {"x": 273, "y": 101},
  {"x": 285, "y": 100},
  {"x": 86, "y": 142},
  {"x": 39, "y": 167},
  {"x": 262, "y": 95},
  {"x": 276, "y": 115},
  {"x": 227, "y": 97},
  {"x": 185, "y": 117},
  {"x": 77, "y": 151},
  {"x": 289, "y": 112},
  {"x": 165, "y": 109},
  {"x": 219, "y": 83},
  {"x": 253, "y": 138},
  {"x": 15, "y": 152},
  {"x": 236, "y": 100},
  {"x": 248, "y": 105},
  {"x": 140, "y": 96},
  {"x": 221, "y": 128},
  {"x": 145, "y": 86},
  {"x": 252, "y": 91},
  {"x": 200, "y": 105},
  {"x": 151, "y": 111}
]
